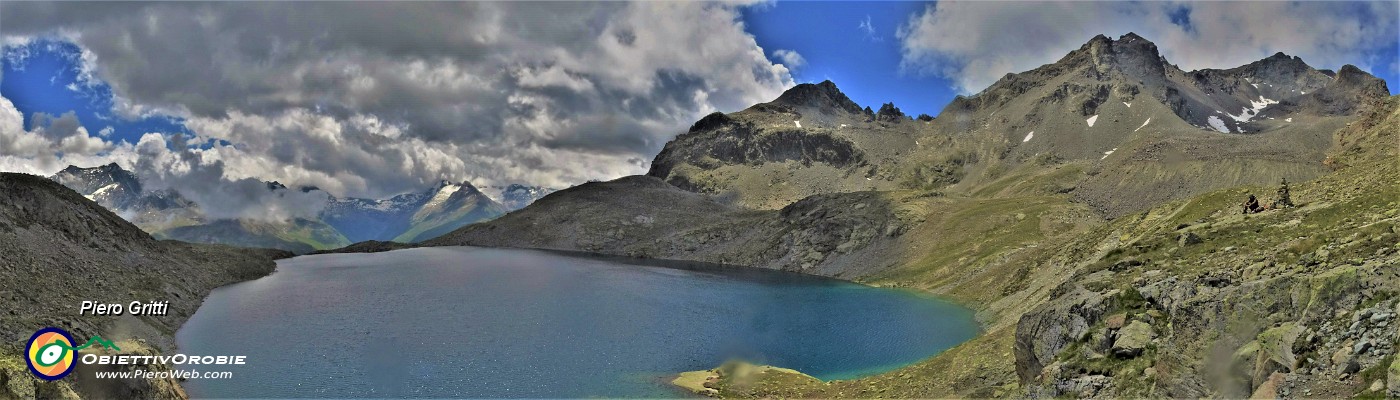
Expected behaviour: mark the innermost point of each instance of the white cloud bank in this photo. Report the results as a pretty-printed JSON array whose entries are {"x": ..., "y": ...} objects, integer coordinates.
[
  {"x": 975, "y": 43},
  {"x": 371, "y": 99}
]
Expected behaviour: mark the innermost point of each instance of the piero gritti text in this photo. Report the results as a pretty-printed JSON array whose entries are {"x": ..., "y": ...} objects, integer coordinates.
[{"x": 89, "y": 307}]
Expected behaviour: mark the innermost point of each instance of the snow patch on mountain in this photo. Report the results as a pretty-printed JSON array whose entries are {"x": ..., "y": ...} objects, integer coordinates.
[
  {"x": 1028, "y": 137},
  {"x": 1091, "y": 120},
  {"x": 1248, "y": 113},
  {"x": 1144, "y": 123},
  {"x": 1108, "y": 153},
  {"x": 442, "y": 195},
  {"x": 101, "y": 191},
  {"x": 1218, "y": 124},
  {"x": 515, "y": 196}
]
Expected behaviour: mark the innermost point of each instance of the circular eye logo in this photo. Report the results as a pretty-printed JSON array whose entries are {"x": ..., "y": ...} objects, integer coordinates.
[{"x": 50, "y": 353}]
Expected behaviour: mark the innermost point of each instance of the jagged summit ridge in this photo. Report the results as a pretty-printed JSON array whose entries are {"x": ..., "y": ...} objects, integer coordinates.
[{"x": 1104, "y": 71}]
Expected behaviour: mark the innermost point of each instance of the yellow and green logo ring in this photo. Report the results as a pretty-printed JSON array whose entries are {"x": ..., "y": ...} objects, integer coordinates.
[{"x": 50, "y": 354}]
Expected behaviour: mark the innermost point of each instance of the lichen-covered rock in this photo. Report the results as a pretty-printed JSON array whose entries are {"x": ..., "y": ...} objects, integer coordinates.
[
  {"x": 1189, "y": 238},
  {"x": 1133, "y": 339},
  {"x": 1043, "y": 332}
]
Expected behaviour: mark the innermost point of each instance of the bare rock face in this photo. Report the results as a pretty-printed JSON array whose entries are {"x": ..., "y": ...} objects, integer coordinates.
[
  {"x": 822, "y": 97},
  {"x": 889, "y": 113},
  {"x": 812, "y": 131},
  {"x": 1041, "y": 334},
  {"x": 1133, "y": 339},
  {"x": 1349, "y": 90}
]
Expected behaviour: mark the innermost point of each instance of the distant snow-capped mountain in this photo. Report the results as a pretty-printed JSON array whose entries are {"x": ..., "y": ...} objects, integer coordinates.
[
  {"x": 411, "y": 217},
  {"x": 407, "y": 217},
  {"x": 108, "y": 185},
  {"x": 516, "y": 196},
  {"x": 166, "y": 214}
]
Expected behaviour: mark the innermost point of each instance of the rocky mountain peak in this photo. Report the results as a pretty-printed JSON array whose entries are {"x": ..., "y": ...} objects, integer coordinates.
[
  {"x": 1278, "y": 64},
  {"x": 1351, "y": 78},
  {"x": 109, "y": 184},
  {"x": 1131, "y": 54},
  {"x": 888, "y": 112},
  {"x": 822, "y": 96}
]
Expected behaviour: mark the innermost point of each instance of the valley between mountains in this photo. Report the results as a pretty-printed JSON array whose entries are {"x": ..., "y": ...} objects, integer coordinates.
[{"x": 1089, "y": 209}]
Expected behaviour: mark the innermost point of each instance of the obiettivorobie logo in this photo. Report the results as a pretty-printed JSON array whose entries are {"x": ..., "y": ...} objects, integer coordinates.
[
  {"x": 50, "y": 352},
  {"x": 51, "y": 356}
]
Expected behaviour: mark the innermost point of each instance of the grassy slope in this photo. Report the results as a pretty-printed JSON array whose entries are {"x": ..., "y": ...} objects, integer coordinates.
[
  {"x": 438, "y": 224},
  {"x": 1357, "y": 201}
]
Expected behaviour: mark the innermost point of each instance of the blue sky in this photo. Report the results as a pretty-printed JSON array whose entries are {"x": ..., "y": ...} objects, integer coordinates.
[
  {"x": 834, "y": 39},
  {"x": 47, "y": 80}
]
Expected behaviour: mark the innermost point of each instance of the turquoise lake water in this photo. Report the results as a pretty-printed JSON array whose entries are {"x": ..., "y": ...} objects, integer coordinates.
[{"x": 490, "y": 323}]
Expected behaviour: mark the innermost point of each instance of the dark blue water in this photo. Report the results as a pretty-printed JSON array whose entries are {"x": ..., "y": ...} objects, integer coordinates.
[{"x": 474, "y": 322}]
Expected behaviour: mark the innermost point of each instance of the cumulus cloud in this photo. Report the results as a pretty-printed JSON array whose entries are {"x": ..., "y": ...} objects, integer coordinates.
[
  {"x": 372, "y": 99},
  {"x": 790, "y": 58},
  {"x": 174, "y": 164},
  {"x": 54, "y": 142},
  {"x": 48, "y": 143},
  {"x": 975, "y": 43}
]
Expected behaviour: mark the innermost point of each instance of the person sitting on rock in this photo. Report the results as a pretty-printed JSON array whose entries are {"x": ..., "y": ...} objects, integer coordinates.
[
  {"x": 1283, "y": 200},
  {"x": 1252, "y": 205}
]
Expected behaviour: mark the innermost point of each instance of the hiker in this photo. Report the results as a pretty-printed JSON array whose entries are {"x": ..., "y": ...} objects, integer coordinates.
[
  {"x": 1252, "y": 205},
  {"x": 1283, "y": 200}
]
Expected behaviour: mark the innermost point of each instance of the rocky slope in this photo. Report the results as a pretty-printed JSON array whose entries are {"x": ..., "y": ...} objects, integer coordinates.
[
  {"x": 1137, "y": 124},
  {"x": 833, "y": 235},
  {"x": 1187, "y": 299},
  {"x": 61, "y": 248},
  {"x": 811, "y": 140},
  {"x": 1197, "y": 300},
  {"x": 1115, "y": 110}
]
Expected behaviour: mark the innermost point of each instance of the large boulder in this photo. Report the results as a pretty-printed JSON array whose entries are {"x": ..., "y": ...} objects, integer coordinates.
[{"x": 1133, "y": 339}]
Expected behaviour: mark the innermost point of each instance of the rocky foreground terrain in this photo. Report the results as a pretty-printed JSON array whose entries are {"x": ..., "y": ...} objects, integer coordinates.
[
  {"x": 1187, "y": 299},
  {"x": 60, "y": 248},
  {"x": 1088, "y": 209}
]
